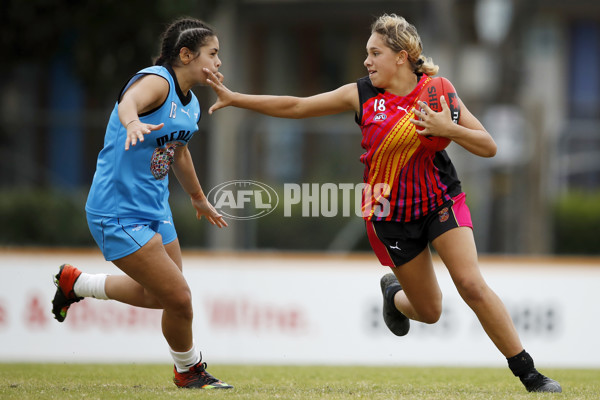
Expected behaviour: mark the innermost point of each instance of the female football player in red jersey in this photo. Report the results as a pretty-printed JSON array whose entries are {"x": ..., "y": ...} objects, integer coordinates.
[{"x": 424, "y": 200}]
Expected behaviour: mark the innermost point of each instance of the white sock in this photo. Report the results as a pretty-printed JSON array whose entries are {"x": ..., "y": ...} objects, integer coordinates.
[
  {"x": 91, "y": 285},
  {"x": 185, "y": 360}
]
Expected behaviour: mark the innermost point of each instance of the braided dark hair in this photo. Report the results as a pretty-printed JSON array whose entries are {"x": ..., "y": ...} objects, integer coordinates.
[{"x": 185, "y": 32}]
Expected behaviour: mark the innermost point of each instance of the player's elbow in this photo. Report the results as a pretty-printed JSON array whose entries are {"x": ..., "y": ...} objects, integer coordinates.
[
  {"x": 297, "y": 111},
  {"x": 487, "y": 148},
  {"x": 490, "y": 147},
  {"x": 488, "y": 152},
  {"x": 491, "y": 150},
  {"x": 295, "y": 114}
]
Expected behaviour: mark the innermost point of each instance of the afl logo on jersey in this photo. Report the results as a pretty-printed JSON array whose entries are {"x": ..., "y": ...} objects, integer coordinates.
[{"x": 379, "y": 117}]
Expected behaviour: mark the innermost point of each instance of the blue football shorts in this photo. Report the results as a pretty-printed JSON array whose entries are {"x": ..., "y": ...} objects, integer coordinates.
[{"x": 120, "y": 237}]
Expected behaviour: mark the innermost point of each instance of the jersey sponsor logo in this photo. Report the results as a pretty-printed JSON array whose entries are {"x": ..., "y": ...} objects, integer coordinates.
[
  {"x": 180, "y": 136},
  {"x": 380, "y": 117},
  {"x": 186, "y": 112}
]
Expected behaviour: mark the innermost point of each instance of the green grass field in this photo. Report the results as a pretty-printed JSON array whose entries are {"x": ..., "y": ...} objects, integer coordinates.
[{"x": 143, "y": 381}]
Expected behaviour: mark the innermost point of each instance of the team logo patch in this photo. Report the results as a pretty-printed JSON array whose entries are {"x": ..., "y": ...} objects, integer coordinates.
[
  {"x": 162, "y": 158},
  {"x": 444, "y": 214}
]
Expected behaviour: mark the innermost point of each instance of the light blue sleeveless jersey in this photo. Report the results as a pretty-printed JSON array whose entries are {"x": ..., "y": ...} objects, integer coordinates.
[{"x": 135, "y": 183}]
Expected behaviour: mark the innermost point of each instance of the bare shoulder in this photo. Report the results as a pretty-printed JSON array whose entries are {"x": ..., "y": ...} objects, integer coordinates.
[
  {"x": 347, "y": 95},
  {"x": 151, "y": 82},
  {"x": 149, "y": 92},
  {"x": 350, "y": 93}
]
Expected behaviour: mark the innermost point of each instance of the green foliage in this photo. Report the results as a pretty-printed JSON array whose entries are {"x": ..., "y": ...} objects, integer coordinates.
[
  {"x": 190, "y": 232},
  {"x": 577, "y": 218},
  {"x": 50, "y": 218},
  {"x": 43, "y": 218},
  {"x": 85, "y": 381},
  {"x": 303, "y": 230}
]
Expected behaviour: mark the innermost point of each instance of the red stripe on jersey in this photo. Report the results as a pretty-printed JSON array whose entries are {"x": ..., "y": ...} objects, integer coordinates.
[{"x": 395, "y": 159}]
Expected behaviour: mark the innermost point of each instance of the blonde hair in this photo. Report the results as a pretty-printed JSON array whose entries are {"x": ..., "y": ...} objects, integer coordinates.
[{"x": 399, "y": 35}]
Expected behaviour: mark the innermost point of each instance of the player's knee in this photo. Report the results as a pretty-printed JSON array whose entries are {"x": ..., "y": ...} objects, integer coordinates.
[
  {"x": 431, "y": 314},
  {"x": 472, "y": 291},
  {"x": 180, "y": 303}
]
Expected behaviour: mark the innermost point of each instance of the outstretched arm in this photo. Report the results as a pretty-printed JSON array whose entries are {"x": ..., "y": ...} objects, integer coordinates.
[
  {"x": 144, "y": 95},
  {"x": 345, "y": 98}
]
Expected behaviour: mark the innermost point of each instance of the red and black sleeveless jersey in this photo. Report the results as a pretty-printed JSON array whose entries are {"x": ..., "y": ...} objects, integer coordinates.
[{"x": 404, "y": 180}]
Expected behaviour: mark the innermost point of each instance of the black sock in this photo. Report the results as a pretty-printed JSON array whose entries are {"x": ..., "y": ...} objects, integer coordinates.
[
  {"x": 521, "y": 364},
  {"x": 390, "y": 292}
]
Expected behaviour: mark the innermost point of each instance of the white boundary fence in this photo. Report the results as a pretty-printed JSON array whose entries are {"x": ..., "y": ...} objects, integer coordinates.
[{"x": 277, "y": 308}]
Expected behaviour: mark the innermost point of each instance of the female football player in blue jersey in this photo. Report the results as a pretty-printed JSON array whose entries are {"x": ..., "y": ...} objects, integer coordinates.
[
  {"x": 128, "y": 212},
  {"x": 424, "y": 196}
]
